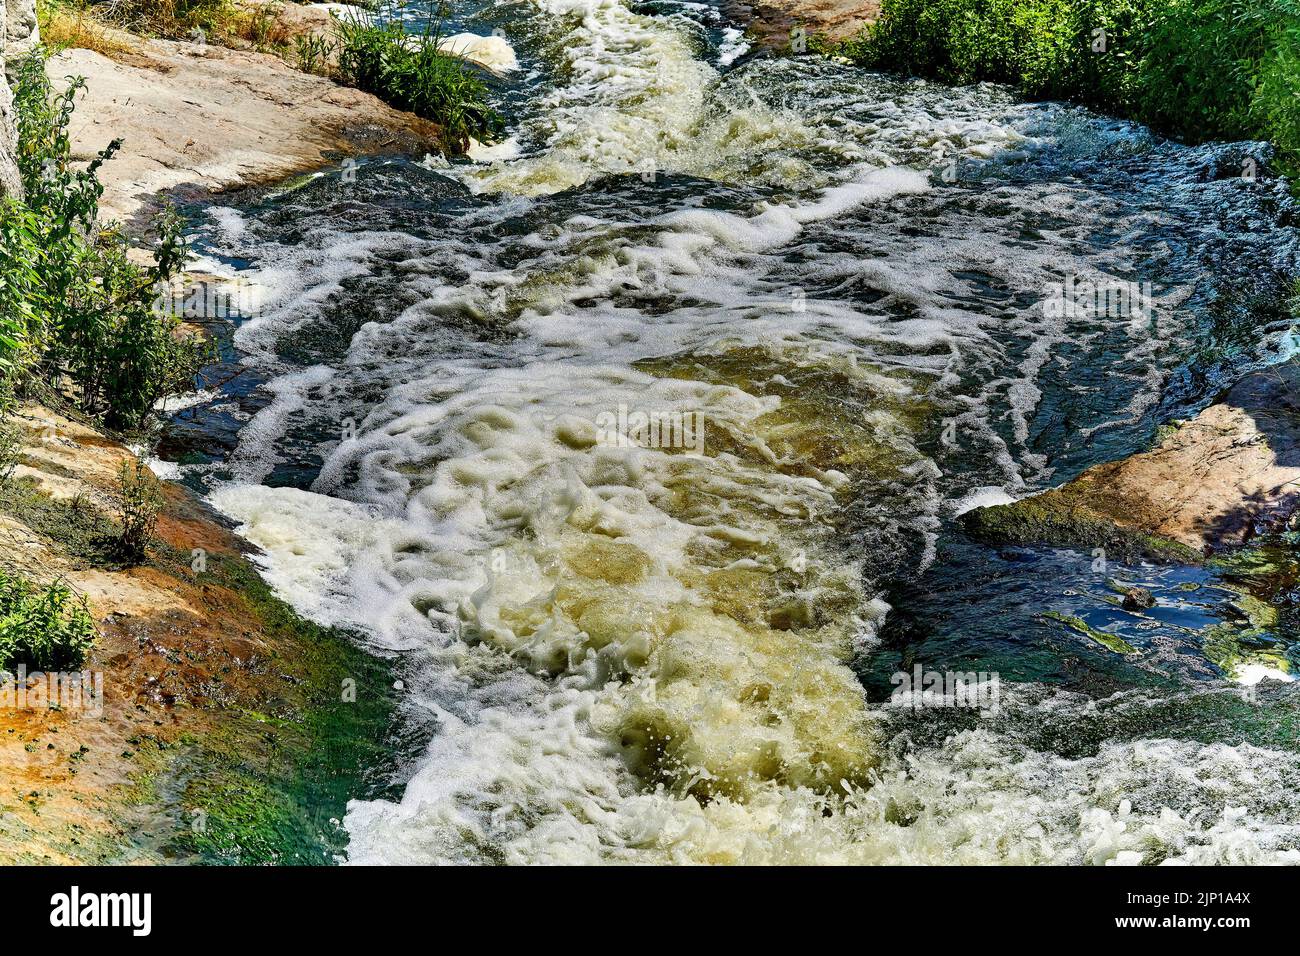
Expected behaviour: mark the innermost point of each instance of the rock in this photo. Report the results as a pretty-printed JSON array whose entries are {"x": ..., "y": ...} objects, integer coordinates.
[
  {"x": 1229, "y": 474},
  {"x": 22, "y": 34},
  {"x": 1112, "y": 642},
  {"x": 1137, "y": 599},
  {"x": 772, "y": 22},
  {"x": 248, "y": 119},
  {"x": 18, "y": 34}
]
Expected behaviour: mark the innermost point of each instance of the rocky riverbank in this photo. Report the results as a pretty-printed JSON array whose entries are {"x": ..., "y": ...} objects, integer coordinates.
[
  {"x": 197, "y": 119},
  {"x": 228, "y": 729},
  {"x": 1213, "y": 483},
  {"x": 773, "y": 22}
]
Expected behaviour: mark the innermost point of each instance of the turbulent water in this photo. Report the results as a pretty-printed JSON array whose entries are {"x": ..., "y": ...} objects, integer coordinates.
[{"x": 828, "y": 287}]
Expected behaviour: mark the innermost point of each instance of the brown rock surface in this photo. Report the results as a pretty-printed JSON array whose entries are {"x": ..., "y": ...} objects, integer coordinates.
[
  {"x": 771, "y": 21},
  {"x": 192, "y": 663},
  {"x": 207, "y": 118},
  {"x": 1216, "y": 481}
]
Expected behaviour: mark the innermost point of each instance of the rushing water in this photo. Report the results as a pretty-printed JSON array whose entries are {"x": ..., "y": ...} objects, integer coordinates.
[{"x": 833, "y": 282}]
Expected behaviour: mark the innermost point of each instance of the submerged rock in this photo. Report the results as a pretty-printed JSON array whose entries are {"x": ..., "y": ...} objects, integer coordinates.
[{"x": 1217, "y": 481}]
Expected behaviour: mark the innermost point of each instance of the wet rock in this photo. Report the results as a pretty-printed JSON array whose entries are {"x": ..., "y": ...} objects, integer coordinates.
[
  {"x": 1137, "y": 599},
  {"x": 1215, "y": 482},
  {"x": 773, "y": 22}
]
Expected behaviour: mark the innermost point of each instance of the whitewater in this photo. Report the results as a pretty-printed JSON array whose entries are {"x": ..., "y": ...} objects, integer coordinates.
[{"x": 653, "y": 651}]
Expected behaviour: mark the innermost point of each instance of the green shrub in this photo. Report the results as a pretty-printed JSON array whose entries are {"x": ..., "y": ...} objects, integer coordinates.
[
  {"x": 173, "y": 19},
  {"x": 46, "y": 629},
  {"x": 1275, "y": 106},
  {"x": 140, "y": 500},
  {"x": 313, "y": 52},
  {"x": 410, "y": 73},
  {"x": 79, "y": 315},
  {"x": 1197, "y": 69}
]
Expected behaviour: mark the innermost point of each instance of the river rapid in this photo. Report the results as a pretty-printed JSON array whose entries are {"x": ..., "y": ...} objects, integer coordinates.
[{"x": 825, "y": 289}]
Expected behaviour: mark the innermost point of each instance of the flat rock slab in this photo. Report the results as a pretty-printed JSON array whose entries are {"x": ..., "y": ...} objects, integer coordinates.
[
  {"x": 1229, "y": 474},
  {"x": 211, "y": 118},
  {"x": 771, "y": 22}
]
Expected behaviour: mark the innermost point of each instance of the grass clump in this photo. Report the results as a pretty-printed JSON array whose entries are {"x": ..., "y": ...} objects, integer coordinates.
[
  {"x": 73, "y": 24},
  {"x": 222, "y": 22},
  {"x": 44, "y": 628},
  {"x": 1195, "y": 69},
  {"x": 75, "y": 312},
  {"x": 411, "y": 73}
]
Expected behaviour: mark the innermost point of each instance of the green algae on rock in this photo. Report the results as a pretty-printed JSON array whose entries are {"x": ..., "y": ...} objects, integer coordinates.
[
  {"x": 269, "y": 783},
  {"x": 1215, "y": 482},
  {"x": 1062, "y": 517},
  {"x": 1111, "y": 642}
]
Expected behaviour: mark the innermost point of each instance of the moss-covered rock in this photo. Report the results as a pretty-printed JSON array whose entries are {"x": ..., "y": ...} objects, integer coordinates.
[
  {"x": 1060, "y": 517},
  {"x": 1112, "y": 642}
]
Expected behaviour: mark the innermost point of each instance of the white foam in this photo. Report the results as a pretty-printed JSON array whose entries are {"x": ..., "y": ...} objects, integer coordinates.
[
  {"x": 984, "y": 497},
  {"x": 493, "y": 52},
  {"x": 1253, "y": 672},
  {"x": 482, "y": 153}
]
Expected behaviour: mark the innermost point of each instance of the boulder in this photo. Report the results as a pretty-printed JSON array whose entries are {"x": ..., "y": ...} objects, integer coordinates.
[
  {"x": 18, "y": 35},
  {"x": 1229, "y": 474}
]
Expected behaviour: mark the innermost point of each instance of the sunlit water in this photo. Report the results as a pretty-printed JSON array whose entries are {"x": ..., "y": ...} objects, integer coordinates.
[{"x": 649, "y": 654}]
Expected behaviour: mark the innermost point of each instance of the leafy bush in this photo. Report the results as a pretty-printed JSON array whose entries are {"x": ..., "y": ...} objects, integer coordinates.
[
  {"x": 1275, "y": 106},
  {"x": 78, "y": 313},
  {"x": 1198, "y": 69},
  {"x": 46, "y": 629},
  {"x": 409, "y": 72}
]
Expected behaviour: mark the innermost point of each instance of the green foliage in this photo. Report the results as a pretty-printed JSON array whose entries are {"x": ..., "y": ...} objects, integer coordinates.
[
  {"x": 1197, "y": 69},
  {"x": 47, "y": 629},
  {"x": 1275, "y": 106},
  {"x": 140, "y": 500},
  {"x": 409, "y": 72},
  {"x": 79, "y": 314},
  {"x": 313, "y": 52}
]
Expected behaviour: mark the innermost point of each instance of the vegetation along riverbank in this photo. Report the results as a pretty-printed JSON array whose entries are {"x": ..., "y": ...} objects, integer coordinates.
[{"x": 1195, "y": 69}]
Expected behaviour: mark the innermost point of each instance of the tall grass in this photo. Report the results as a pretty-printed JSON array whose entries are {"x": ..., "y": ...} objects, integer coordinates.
[
  {"x": 73, "y": 24},
  {"x": 218, "y": 21},
  {"x": 1196, "y": 69},
  {"x": 409, "y": 72}
]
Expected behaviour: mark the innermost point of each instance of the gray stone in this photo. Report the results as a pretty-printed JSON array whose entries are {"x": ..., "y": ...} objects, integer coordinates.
[{"x": 18, "y": 35}]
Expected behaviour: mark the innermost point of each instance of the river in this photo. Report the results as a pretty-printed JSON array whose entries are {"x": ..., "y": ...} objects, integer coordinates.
[{"x": 825, "y": 290}]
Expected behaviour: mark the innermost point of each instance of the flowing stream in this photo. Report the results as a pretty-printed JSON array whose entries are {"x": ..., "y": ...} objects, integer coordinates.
[{"x": 825, "y": 289}]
